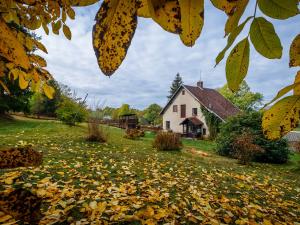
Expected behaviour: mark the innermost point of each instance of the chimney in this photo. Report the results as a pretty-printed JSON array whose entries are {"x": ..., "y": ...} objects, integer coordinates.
[{"x": 200, "y": 84}]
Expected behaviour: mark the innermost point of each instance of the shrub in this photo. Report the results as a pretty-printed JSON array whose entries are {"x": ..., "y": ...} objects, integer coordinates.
[
  {"x": 167, "y": 141},
  {"x": 134, "y": 134},
  {"x": 245, "y": 149},
  {"x": 96, "y": 133},
  {"x": 71, "y": 112},
  {"x": 275, "y": 151}
]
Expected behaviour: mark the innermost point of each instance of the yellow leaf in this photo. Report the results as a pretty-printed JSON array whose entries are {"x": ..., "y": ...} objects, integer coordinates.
[
  {"x": 297, "y": 87},
  {"x": 5, "y": 218},
  {"x": 295, "y": 52},
  {"x": 267, "y": 222},
  {"x": 29, "y": 43},
  {"x": 45, "y": 27},
  {"x": 11, "y": 48},
  {"x": 40, "y": 46},
  {"x": 83, "y": 2},
  {"x": 116, "y": 22},
  {"x": 23, "y": 83},
  {"x": 192, "y": 20},
  {"x": 237, "y": 64},
  {"x": 67, "y": 32},
  {"x": 49, "y": 91},
  {"x": 143, "y": 10},
  {"x": 230, "y": 40},
  {"x": 234, "y": 11},
  {"x": 282, "y": 117},
  {"x": 71, "y": 13},
  {"x": 37, "y": 60},
  {"x": 56, "y": 27},
  {"x": 166, "y": 13},
  {"x": 93, "y": 205},
  {"x": 235, "y": 16}
]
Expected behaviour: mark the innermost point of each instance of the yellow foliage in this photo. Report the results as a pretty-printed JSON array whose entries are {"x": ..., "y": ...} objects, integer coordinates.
[
  {"x": 237, "y": 64},
  {"x": 282, "y": 117},
  {"x": 192, "y": 20},
  {"x": 295, "y": 52},
  {"x": 166, "y": 13},
  {"x": 116, "y": 22},
  {"x": 297, "y": 87},
  {"x": 49, "y": 91},
  {"x": 11, "y": 48},
  {"x": 143, "y": 9}
]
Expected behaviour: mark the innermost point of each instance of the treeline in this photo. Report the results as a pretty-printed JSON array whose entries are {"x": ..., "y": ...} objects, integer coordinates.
[
  {"x": 67, "y": 106},
  {"x": 148, "y": 116}
]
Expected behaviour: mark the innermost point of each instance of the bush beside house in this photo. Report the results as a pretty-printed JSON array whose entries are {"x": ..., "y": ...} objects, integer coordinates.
[{"x": 274, "y": 151}]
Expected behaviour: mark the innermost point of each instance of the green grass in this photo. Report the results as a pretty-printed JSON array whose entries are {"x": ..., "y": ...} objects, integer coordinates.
[{"x": 129, "y": 175}]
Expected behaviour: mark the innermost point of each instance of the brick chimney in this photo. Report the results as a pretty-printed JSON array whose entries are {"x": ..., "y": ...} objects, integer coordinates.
[{"x": 200, "y": 84}]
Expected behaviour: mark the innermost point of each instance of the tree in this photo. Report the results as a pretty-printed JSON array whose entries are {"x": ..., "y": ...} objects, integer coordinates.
[
  {"x": 17, "y": 100},
  {"x": 275, "y": 151},
  {"x": 71, "y": 112},
  {"x": 37, "y": 104},
  {"x": 116, "y": 22},
  {"x": 41, "y": 105},
  {"x": 151, "y": 114},
  {"x": 244, "y": 99},
  {"x": 124, "y": 109},
  {"x": 177, "y": 82}
]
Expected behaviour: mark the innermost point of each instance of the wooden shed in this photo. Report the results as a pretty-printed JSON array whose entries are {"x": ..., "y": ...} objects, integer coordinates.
[{"x": 128, "y": 121}]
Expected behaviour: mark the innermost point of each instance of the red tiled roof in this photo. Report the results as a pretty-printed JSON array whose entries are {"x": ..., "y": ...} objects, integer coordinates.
[
  {"x": 213, "y": 101},
  {"x": 193, "y": 120}
]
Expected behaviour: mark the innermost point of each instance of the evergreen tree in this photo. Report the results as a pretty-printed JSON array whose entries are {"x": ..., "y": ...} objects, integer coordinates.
[{"x": 177, "y": 82}]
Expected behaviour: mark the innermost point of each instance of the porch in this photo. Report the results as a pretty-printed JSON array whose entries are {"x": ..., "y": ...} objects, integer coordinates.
[{"x": 192, "y": 127}]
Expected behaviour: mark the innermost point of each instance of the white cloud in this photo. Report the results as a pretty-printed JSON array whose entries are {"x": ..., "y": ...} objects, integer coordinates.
[{"x": 154, "y": 58}]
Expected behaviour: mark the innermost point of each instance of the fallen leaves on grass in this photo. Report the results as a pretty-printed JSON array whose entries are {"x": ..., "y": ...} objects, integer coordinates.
[{"x": 129, "y": 183}]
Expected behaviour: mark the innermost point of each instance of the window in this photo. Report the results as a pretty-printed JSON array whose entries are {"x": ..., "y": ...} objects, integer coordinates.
[
  {"x": 194, "y": 112},
  {"x": 168, "y": 125},
  {"x": 175, "y": 108},
  {"x": 204, "y": 131},
  {"x": 182, "y": 111},
  {"x": 183, "y": 92}
]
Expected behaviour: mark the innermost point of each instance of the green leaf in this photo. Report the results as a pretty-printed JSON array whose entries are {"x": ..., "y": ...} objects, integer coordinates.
[
  {"x": 237, "y": 64},
  {"x": 265, "y": 39},
  {"x": 231, "y": 38},
  {"x": 295, "y": 52},
  {"x": 282, "y": 117},
  {"x": 284, "y": 91},
  {"x": 279, "y": 9}
]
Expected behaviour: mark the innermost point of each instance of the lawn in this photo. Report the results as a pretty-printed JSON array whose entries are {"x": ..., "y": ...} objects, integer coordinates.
[{"x": 129, "y": 182}]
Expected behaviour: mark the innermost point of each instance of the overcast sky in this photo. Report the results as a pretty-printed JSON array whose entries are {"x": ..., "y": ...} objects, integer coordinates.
[{"x": 155, "y": 57}]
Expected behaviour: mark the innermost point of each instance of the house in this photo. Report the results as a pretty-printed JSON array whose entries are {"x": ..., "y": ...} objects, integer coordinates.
[
  {"x": 183, "y": 114},
  {"x": 293, "y": 139}
]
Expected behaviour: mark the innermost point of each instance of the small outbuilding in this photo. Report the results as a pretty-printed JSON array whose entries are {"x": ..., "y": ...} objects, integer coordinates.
[{"x": 128, "y": 121}]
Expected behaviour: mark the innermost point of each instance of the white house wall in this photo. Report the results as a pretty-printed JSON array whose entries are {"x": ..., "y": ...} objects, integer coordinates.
[{"x": 174, "y": 117}]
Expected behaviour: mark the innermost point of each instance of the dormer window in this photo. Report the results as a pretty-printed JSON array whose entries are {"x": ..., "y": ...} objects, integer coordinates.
[{"x": 183, "y": 92}]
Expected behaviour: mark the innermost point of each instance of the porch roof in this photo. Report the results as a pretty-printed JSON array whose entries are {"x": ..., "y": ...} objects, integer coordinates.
[{"x": 193, "y": 120}]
